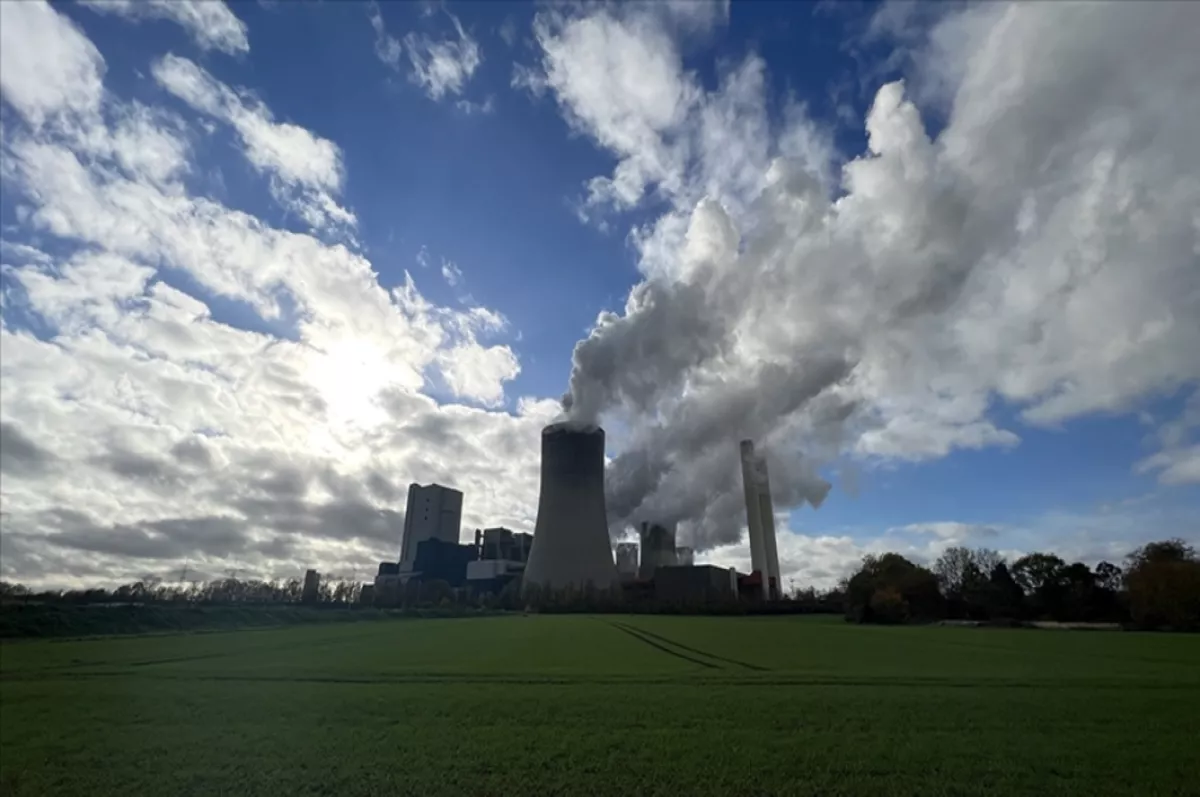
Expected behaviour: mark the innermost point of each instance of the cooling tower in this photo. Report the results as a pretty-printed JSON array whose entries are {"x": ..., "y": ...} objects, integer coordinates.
[
  {"x": 658, "y": 548},
  {"x": 570, "y": 539}
]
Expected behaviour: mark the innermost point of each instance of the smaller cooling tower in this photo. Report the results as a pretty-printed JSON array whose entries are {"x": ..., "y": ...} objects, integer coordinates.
[
  {"x": 570, "y": 539},
  {"x": 658, "y": 548}
]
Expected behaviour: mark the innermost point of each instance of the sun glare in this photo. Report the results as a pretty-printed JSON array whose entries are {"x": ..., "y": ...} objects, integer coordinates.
[{"x": 350, "y": 374}]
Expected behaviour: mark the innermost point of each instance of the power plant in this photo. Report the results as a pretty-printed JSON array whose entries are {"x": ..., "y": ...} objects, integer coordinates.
[
  {"x": 570, "y": 538},
  {"x": 570, "y": 547}
]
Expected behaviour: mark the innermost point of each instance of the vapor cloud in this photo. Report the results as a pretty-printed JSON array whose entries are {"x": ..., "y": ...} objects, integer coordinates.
[{"x": 1042, "y": 248}]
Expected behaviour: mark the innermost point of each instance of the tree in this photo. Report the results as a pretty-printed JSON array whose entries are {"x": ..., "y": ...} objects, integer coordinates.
[
  {"x": 951, "y": 569},
  {"x": 1163, "y": 579},
  {"x": 1004, "y": 596},
  {"x": 963, "y": 574},
  {"x": 1035, "y": 571},
  {"x": 1079, "y": 593},
  {"x": 916, "y": 585},
  {"x": 1108, "y": 576},
  {"x": 888, "y": 606}
]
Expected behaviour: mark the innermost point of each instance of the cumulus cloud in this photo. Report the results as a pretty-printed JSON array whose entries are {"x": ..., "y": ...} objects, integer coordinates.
[
  {"x": 210, "y": 23},
  {"x": 1041, "y": 249},
  {"x": 305, "y": 170},
  {"x": 47, "y": 65},
  {"x": 1178, "y": 461},
  {"x": 142, "y": 432},
  {"x": 442, "y": 67}
]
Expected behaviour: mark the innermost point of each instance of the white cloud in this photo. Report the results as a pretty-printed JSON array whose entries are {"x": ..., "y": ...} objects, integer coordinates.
[
  {"x": 451, "y": 273},
  {"x": 470, "y": 108},
  {"x": 952, "y": 532},
  {"x": 387, "y": 47},
  {"x": 47, "y": 66},
  {"x": 211, "y": 23},
  {"x": 1043, "y": 249},
  {"x": 508, "y": 31},
  {"x": 1178, "y": 461},
  {"x": 442, "y": 67},
  {"x": 306, "y": 170},
  {"x": 1180, "y": 465},
  {"x": 141, "y": 433}
]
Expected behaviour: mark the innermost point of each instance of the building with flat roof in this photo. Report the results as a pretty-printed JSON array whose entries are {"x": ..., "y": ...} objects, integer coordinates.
[
  {"x": 499, "y": 543},
  {"x": 627, "y": 560},
  {"x": 437, "y": 560},
  {"x": 311, "y": 591},
  {"x": 696, "y": 584},
  {"x": 433, "y": 512}
]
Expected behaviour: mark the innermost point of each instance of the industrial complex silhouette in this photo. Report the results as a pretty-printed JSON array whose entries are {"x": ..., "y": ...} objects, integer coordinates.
[{"x": 570, "y": 549}]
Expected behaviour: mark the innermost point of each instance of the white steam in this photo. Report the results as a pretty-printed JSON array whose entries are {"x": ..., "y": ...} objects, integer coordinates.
[{"x": 1043, "y": 248}]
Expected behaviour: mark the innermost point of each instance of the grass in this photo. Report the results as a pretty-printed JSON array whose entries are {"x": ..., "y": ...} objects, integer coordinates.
[{"x": 603, "y": 705}]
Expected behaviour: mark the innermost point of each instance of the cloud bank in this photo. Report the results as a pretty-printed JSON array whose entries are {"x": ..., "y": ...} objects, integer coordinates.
[
  {"x": 1042, "y": 248},
  {"x": 183, "y": 384}
]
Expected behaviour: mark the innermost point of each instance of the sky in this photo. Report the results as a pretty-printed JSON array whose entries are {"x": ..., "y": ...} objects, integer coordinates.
[{"x": 265, "y": 264}]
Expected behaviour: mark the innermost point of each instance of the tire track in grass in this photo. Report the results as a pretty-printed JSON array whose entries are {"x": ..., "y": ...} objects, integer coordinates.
[
  {"x": 633, "y": 632},
  {"x": 666, "y": 640}
]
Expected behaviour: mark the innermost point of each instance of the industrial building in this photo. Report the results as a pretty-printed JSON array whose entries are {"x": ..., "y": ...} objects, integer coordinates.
[
  {"x": 433, "y": 512},
  {"x": 571, "y": 548},
  {"x": 658, "y": 549},
  {"x": 683, "y": 584},
  {"x": 501, "y": 557},
  {"x": 437, "y": 560},
  {"x": 627, "y": 560},
  {"x": 504, "y": 544},
  {"x": 311, "y": 591},
  {"x": 760, "y": 521}
]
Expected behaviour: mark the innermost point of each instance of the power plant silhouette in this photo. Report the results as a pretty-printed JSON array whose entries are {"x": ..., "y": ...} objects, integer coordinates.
[
  {"x": 570, "y": 539},
  {"x": 570, "y": 548}
]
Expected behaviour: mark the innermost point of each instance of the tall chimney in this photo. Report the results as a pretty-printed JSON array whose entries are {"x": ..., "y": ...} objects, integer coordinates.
[
  {"x": 766, "y": 515},
  {"x": 754, "y": 526},
  {"x": 570, "y": 539}
]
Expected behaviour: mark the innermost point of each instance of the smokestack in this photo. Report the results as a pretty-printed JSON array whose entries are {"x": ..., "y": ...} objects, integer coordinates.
[
  {"x": 754, "y": 528},
  {"x": 570, "y": 539},
  {"x": 766, "y": 519}
]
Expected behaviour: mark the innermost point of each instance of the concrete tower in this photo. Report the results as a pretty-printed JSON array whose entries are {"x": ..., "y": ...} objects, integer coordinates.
[
  {"x": 570, "y": 539},
  {"x": 760, "y": 520},
  {"x": 658, "y": 548},
  {"x": 758, "y": 548},
  {"x": 627, "y": 560},
  {"x": 766, "y": 516},
  {"x": 433, "y": 512}
]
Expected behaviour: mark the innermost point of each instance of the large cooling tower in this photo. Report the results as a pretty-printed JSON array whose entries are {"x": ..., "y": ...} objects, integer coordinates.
[{"x": 570, "y": 540}]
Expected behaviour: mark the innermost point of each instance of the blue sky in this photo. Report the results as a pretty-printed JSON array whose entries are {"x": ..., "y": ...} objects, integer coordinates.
[{"x": 476, "y": 175}]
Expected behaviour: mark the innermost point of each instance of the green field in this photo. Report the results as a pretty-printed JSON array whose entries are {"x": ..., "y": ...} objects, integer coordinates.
[{"x": 624, "y": 705}]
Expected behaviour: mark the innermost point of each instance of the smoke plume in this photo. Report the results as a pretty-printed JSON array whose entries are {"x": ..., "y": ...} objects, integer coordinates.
[{"x": 879, "y": 315}]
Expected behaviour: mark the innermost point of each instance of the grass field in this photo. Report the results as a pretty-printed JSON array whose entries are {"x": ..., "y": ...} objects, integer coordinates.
[{"x": 603, "y": 705}]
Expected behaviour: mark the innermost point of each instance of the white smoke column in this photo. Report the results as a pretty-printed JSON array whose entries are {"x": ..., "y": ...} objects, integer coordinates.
[{"x": 1043, "y": 249}]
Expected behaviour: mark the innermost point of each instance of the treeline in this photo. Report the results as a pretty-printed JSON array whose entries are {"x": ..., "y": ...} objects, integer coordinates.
[
  {"x": 1158, "y": 588},
  {"x": 219, "y": 591}
]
